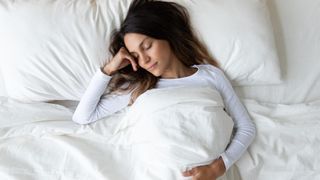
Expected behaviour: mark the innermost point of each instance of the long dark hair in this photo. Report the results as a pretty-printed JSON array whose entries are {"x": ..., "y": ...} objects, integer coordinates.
[{"x": 160, "y": 20}]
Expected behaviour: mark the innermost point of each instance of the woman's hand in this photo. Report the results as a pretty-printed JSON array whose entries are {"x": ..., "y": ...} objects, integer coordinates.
[
  {"x": 122, "y": 59},
  {"x": 207, "y": 172}
]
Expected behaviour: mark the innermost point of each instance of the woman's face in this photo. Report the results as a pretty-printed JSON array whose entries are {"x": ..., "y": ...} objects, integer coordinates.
[{"x": 153, "y": 55}]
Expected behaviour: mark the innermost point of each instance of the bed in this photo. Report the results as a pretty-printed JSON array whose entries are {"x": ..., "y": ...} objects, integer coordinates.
[{"x": 47, "y": 59}]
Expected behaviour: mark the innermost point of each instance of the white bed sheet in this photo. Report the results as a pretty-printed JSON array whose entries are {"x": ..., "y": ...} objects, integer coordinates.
[
  {"x": 286, "y": 145},
  {"x": 39, "y": 141},
  {"x": 287, "y": 116},
  {"x": 297, "y": 31}
]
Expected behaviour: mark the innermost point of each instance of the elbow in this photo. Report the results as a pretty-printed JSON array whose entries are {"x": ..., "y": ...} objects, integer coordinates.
[
  {"x": 249, "y": 129},
  {"x": 79, "y": 120}
]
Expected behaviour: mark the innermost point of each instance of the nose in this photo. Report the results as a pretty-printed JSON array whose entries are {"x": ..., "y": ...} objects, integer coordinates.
[{"x": 144, "y": 59}]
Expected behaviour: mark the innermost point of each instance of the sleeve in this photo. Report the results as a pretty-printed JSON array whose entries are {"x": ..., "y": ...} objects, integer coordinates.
[
  {"x": 93, "y": 105},
  {"x": 245, "y": 129}
]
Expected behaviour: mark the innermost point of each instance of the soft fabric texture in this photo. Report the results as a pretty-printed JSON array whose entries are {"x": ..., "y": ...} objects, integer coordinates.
[
  {"x": 286, "y": 145},
  {"x": 239, "y": 34},
  {"x": 161, "y": 135},
  {"x": 53, "y": 147},
  {"x": 50, "y": 49},
  {"x": 3, "y": 91},
  {"x": 94, "y": 105},
  {"x": 297, "y": 33},
  {"x": 170, "y": 133}
]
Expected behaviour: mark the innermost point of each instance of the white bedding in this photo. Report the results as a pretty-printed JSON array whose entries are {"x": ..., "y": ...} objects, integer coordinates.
[
  {"x": 50, "y": 49},
  {"x": 297, "y": 31},
  {"x": 287, "y": 142},
  {"x": 297, "y": 34},
  {"x": 287, "y": 117},
  {"x": 53, "y": 147},
  {"x": 159, "y": 137}
]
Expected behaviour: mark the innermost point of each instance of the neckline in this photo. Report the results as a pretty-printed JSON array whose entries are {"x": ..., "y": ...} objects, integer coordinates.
[{"x": 186, "y": 77}]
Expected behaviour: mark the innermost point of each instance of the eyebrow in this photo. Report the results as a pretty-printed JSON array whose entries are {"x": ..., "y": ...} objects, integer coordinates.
[{"x": 140, "y": 44}]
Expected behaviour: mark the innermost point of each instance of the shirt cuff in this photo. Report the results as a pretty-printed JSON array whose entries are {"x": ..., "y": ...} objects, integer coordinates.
[
  {"x": 102, "y": 75},
  {"x": 225, "y": 160}
]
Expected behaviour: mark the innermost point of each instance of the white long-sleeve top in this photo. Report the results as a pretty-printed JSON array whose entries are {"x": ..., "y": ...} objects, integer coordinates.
[{"x": 94, "y": 105}]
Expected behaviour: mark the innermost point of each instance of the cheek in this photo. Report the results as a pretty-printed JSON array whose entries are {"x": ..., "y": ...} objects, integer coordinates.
[{"x": 162, "y": 52}]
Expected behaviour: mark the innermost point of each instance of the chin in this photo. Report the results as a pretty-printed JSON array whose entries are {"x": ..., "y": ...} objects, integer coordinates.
[{"x": 156, "y": 73}]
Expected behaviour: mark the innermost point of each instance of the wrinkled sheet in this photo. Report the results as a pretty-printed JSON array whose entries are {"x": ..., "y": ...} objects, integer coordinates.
[
  {"x": 287, "y": 142},
  {"x": 173, "y": 129},
  {"x": 156, "y": 138},
  {"x": 39, "y": 141},
  {"x": 55, "y": 148}
]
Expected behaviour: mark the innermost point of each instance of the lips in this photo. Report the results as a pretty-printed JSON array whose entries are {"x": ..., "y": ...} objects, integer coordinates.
[{"x": 152, "y": 66}]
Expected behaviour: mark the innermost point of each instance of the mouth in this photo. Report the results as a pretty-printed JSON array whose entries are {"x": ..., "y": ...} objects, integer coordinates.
[{"x": 152, "y": 66}]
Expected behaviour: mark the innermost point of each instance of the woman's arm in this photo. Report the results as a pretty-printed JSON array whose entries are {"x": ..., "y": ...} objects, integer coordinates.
[
  {"x": 93, "y": 105},
  {"x": 245, "y": 129},
  {"x": 245, "y": 132}
]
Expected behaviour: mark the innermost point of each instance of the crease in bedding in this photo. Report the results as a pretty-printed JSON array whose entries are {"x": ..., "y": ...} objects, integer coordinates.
[
  {"x": 158, "y": 137},
  {"x": 286, "y": 143},
  {"x": 39, "y": 141}
]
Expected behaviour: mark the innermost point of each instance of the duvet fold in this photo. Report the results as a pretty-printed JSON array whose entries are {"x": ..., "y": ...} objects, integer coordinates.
[
  {"x": 165, "y": 132},
  {"x": 174, "y": 129}
]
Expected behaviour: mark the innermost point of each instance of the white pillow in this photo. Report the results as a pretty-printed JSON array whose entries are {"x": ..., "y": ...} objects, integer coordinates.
[
  {"x": 51, "y": 49},
  {"x": 239, "y": 34}
]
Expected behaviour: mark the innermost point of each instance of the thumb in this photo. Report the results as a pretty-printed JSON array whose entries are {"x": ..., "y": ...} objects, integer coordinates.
[
  {"x": 188, "y": 173},
  {"x": 195, "y": 170}
]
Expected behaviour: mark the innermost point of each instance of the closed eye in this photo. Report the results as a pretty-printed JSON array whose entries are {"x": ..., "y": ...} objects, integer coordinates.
[{"x": 148, "y": 46}]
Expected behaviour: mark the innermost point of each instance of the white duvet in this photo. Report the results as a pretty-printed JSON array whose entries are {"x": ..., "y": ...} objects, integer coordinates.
[
  {"x": 173, "y": 129},
  {"x": 162, "y": 134},
  {"x": 39, "y": 141}
]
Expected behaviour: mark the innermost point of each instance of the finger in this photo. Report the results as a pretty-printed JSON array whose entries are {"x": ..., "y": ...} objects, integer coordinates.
[
  {"x": 133, "y": 62},
  {"x": 195, "y": 170},
  {"x": 197, "y": 176},
  {"x": 130, "y": 58},
  {"x": 187, "y": 173},
  {"x": 123, "y": 56}
]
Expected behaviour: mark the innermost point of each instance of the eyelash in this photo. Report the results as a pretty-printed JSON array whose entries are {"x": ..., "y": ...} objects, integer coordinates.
[
  {"x": 146, "y": 48},
  {"x": 149, "y": 46}
]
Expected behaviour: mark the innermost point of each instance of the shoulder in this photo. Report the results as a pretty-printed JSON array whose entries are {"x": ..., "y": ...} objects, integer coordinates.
[
  {"x": 211, "y": 69},
  {"x": 217, "y": 76}
]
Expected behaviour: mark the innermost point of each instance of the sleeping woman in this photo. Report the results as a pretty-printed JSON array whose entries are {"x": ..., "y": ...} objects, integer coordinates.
[{"x": 156, "y": 48}]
